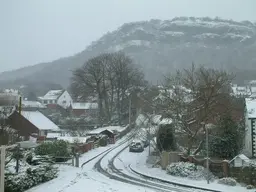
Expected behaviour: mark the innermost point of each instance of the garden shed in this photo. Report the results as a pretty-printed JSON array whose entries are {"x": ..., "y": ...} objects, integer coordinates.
[{"x": 239, "y": 161}]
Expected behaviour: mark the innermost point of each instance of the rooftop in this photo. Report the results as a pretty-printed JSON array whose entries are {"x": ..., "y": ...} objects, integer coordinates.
[
  {"x": 84, "y": 106},
  {"x": 39, "y": 120},
  {"x": 52, "y": 95},
  {"x": 34, "y": 104}
]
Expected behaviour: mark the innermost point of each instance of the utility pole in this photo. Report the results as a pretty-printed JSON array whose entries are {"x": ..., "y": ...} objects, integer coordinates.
[
  {"x": 207, "y": 153},
  {"x": 149, "y": 134},
  {"x": 18, "y": 146},
  {"x": 2, "y": 168},
  {"x": 130, "y": 105},
  {"x": 149, "y": 141}
]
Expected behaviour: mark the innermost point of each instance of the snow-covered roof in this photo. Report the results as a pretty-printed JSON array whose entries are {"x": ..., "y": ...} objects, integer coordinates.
[
  {"x": 34, "y": 104},
  {"x": 142, "y": 120},
  {"x": 252, "y": 82},
  {"x": 109, "y": 128},
  {"x": 241, "y": 156},
  {"x": 39, "y": 120},
  {"x": 157, "y": 119},
  {"x": 241, "y": 90},
  {"x": 52, "y": 95},
  {"x": 84, "y": 106},
  {"x": 251, "y": 107},
  {"x": 74, "y": 139}
]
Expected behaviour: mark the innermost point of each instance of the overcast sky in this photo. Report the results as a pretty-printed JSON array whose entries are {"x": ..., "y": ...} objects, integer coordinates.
[{"x": 34, "y": 31}]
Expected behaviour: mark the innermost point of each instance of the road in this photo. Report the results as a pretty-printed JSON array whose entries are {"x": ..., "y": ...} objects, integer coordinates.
[{"x": 110, "y": 166}]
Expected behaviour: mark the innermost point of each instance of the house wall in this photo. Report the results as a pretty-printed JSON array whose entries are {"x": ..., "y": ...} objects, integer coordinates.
[
  {"x": 248, "y": 138},
  {"x": 22, "y": 125},
  {"x": 64, "y": 100}
]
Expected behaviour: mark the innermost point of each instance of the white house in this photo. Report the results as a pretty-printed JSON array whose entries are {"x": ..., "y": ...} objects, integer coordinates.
[
  {"x": 57, "y": 97},
  {"x": 250, "y": 127}
]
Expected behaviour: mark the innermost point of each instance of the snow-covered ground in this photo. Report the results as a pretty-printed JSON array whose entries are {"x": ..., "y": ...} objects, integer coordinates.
[
  {"x": 138, "y": 162},
  {"x": 86, "y": 178}
]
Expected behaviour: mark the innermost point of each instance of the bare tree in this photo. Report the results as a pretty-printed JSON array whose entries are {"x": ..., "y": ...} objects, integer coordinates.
[
  {"x": 194, "y": 98},
  {"x": 109, "y": 77}
]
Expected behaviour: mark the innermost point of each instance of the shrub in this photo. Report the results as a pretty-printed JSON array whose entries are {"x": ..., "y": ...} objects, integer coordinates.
[
  {"x": 31, "y": 176},
  {"x": 190, "y": 170},
  {"x": 227, "y": 181},
  {"x": 55, "y": 148},
  {"x": 249, "y": 187},
  {"x": 165, "y": 138},
  {"x": 103, "y": 141}
]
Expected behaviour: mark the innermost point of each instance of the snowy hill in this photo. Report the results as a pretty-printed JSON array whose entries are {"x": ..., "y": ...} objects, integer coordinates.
[{"x": 159, "y": 47}]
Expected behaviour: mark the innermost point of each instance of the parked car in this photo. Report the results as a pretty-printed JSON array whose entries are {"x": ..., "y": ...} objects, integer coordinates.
[{"x": 136, "y": 146}]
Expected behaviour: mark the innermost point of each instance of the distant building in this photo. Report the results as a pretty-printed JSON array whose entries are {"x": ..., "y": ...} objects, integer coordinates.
[
  {"x": 55, "y": 98},
  {"x": 79, "y": 109},
  {"x": 9, "y": 97},
  {"x": 32, "y": 105},
  {"x": 241, "y": 91}
]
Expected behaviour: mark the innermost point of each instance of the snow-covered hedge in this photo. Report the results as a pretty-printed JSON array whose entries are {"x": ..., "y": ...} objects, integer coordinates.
[
  {"x": 28, "y": 177},
  {"x": 227, "y": 181},
  {"x": 189, "y": 170},
  {"x": 56, "y": 148},
  {"x": 33, "y": 170}
]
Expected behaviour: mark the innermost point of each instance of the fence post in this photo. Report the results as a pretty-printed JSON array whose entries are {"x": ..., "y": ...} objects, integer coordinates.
[
  {"x": 77, "y": 159},
  {"x": 2, "y": 149},
  {"x": 73, "y": 161},
  {"x": 164, "y": 159},
  {"x": 225, "y": 166}
]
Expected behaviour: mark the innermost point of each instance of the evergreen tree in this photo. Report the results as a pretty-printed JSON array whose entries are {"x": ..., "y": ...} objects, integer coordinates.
[
  {"x": 165, "y": 138},
  {"x": 225, "y": 144}
]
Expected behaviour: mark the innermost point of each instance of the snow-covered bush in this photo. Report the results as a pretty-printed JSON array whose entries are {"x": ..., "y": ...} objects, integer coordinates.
[
  {"x": 189, "y": 170},
  {"x": 33, "y": 170},
  {"x": 249, "y": 187},
  {"x": 227, "y": 181},
  {"x": 32, "y": 176},
  {"x": 56, "y": 148}
]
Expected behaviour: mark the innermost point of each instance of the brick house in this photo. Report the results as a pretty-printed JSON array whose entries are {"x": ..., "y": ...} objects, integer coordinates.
[{"x": 30, "y": 123}]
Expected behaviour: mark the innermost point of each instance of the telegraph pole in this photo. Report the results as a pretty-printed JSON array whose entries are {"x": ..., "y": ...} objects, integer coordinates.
[
  {"x": 18, "y": 146},
  {"x": 130, "y": 105},
  {"x": 2, "y": 168},
  {"x": 207, "y": 153}
]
